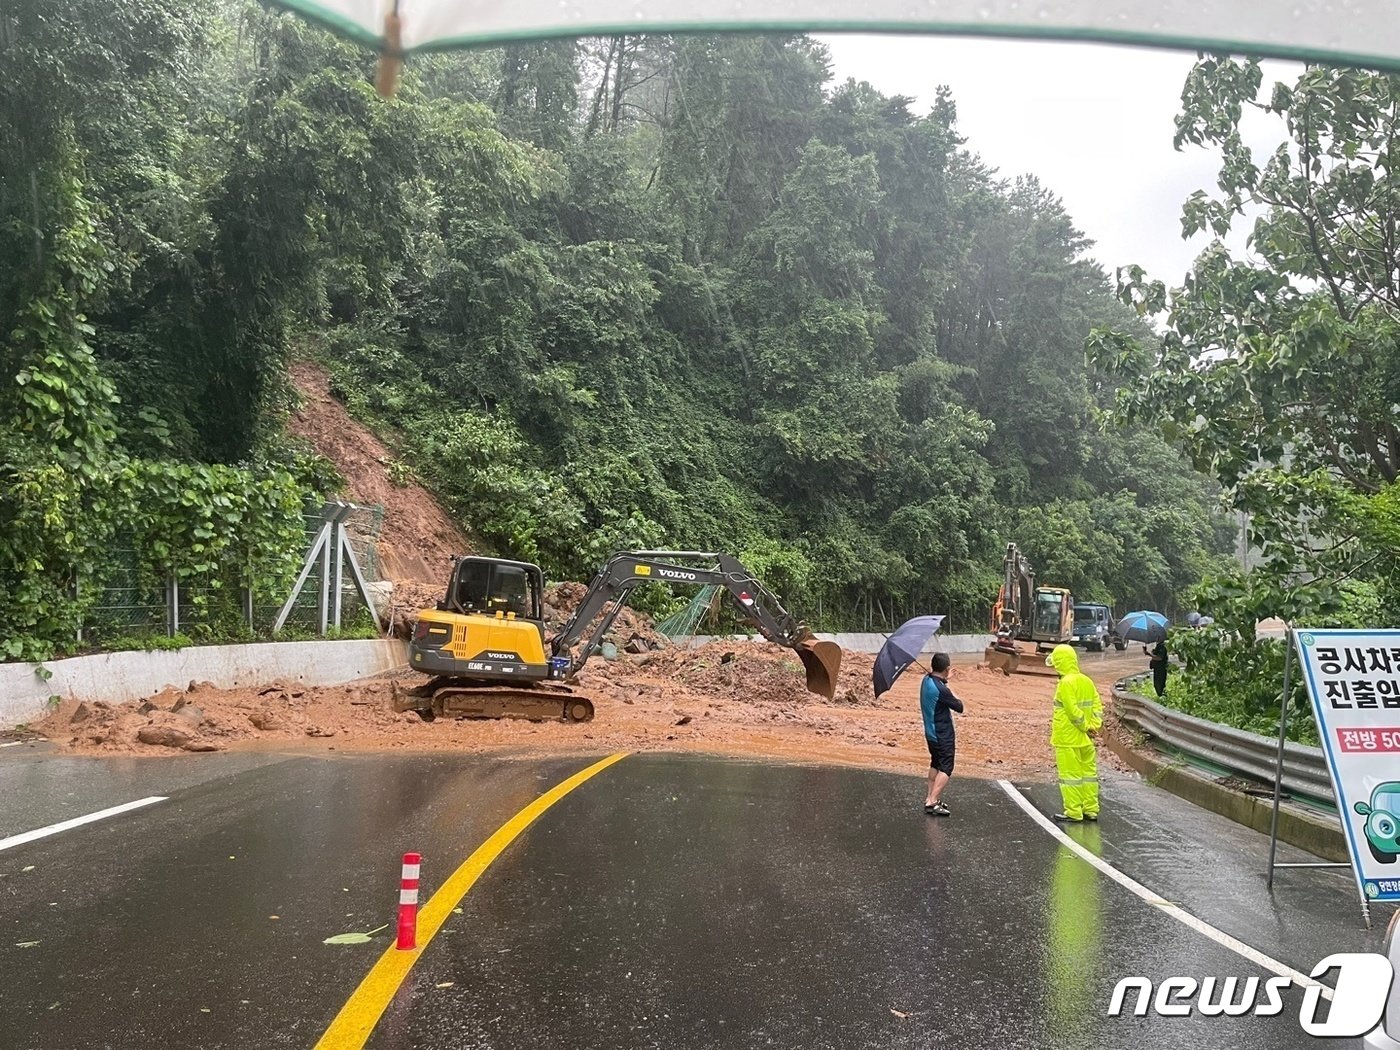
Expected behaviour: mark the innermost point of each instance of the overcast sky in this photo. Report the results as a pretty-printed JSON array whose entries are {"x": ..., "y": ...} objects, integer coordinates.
[{"x": 1094, "y": 122}]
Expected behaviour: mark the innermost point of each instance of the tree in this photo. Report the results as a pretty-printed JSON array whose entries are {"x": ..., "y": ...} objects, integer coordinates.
[
  {"x": 1279, "y": 376},
  {"x": 537, "y": 97}
]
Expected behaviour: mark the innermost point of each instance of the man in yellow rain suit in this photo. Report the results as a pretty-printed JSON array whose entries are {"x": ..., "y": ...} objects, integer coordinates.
[{"x": 1078, "y": 715}]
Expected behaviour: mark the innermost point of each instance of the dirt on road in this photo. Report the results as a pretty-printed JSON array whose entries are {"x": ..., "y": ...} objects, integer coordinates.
[{"x": 733, "y": 698}]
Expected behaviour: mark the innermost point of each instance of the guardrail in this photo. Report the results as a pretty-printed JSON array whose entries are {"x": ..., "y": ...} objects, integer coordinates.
[{"x": 1245, "y": 754}]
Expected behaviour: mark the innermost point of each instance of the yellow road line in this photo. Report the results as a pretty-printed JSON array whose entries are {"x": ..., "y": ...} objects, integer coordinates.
[{"x": 352, "y": 1026}]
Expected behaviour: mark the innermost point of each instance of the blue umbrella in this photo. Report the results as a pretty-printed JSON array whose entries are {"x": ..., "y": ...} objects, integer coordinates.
[
  {"x": 902, "y": 648},
  {"x": 1143, "y": 626}
]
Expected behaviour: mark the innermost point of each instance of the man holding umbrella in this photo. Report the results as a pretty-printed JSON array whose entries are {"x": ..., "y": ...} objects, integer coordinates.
[
  {"x": 1150, "y": 628},
  {"x": 936, "y": 700},
  {"x": 937, "y": 704}
]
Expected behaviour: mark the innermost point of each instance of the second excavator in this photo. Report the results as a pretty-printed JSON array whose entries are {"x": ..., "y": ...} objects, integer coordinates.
[
  {"x": 487, "y": 648},
  {"x": 1043, "y": 616}
]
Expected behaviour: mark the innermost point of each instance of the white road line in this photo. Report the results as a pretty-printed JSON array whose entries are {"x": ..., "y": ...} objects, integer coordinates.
[
  {"x": 1176, "y": 912},
  {"x": 54, "y": 829}
]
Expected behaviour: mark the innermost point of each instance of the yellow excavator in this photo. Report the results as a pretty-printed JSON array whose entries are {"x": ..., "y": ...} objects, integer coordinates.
[
  {"x": 1042, "y": 616},
  {"x": 488, "y": 652}
]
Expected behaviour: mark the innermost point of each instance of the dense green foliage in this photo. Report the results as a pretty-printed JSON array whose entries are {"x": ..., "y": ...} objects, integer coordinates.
[
  {"x": 100, "y": 243},
  {"x": 725, "y": 303},
  {"x": 1238, "y": 684},
  {"x": 1230, "y": 675},
  {"x": 599, "y": 294},
  {"x": 1278, "y": 373}
]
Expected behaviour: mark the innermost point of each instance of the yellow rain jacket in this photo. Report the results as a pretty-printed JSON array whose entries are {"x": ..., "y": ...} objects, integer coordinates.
[{"x": 1078, "y": 708}]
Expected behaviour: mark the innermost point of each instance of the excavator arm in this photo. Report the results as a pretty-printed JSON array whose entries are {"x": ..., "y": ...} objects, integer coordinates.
[
  {"x": 1017, "y": 597},
  {"x": 608, "y": 592}
]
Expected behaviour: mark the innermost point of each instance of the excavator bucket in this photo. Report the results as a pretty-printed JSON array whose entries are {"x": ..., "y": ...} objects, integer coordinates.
[
  {"x": 1002, "y": 660},
  {"x": 822, "y": 661},
  {"x": 1014, "y": 660}
]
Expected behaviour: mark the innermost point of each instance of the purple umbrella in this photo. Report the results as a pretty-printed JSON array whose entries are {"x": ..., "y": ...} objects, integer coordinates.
[{"x": 902, "y": 648}]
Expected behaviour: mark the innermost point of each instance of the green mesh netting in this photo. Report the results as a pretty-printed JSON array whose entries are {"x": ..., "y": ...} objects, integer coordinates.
[{"x": 683, "y": 624}]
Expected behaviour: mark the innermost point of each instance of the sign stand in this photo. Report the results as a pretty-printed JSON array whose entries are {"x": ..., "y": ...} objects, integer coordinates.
[{"x": 1278, "y": 786}]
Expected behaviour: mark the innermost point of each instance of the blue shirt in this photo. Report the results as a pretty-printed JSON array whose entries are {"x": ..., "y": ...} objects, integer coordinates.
[{"x": 937, "y": 704}]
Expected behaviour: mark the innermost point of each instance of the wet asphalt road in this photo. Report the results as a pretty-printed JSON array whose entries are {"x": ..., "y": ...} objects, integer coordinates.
[{"x": 669, "y": 902}]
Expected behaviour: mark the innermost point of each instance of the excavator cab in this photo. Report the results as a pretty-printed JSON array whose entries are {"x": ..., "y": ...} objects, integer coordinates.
[
  {"x": 489, "y": 624},
  {"x": 487, "y": 586},
  {"x": 1054, "y": 616}
]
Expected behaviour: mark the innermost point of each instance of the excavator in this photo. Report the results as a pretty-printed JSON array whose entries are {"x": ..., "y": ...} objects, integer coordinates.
[
  {"x": 1042, "y": 616},
  {"x": 489, "y": 654}
]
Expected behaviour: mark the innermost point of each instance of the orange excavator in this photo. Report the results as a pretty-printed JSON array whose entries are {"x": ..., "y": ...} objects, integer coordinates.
[{"x": 1026, "y": 620}]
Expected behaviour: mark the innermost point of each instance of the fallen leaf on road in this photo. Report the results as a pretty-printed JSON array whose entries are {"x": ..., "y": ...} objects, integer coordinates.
[
  {"x": 445, "y": 984},
  {"x": 30, "y": 868},
  {"x": 901, "y": 1016},
  {"x": 26, "y": 944},
  {"x": 348, "y": 938},
  {"x": 274, "y": 916}
]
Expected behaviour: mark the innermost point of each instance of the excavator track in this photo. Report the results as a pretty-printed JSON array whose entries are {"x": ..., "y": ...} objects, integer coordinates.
[{"x": 458, "y": 698}]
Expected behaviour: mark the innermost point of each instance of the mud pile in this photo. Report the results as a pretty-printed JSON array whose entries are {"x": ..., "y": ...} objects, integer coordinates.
[
  {"x": 407, "y": 599},
  {"x": 747, "y": 672},
  {"x": 631, "y": 630},
  {"x": 744, "y": 698},
  {"x": 204, "y": 717}
]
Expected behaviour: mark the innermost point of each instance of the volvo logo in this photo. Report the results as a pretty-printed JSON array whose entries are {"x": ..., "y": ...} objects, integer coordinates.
[
  {"x": 500, "y": 656},
  {"x": 674, "y": 574}
]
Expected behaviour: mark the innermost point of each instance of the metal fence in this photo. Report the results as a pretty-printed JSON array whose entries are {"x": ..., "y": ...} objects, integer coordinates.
[
  {"x": 130, "y": 605},
  {"x": 1223, "y": 747}
]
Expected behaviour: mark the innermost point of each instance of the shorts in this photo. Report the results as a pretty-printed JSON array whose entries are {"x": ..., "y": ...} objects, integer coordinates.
[{"x": 941, "y": 754}]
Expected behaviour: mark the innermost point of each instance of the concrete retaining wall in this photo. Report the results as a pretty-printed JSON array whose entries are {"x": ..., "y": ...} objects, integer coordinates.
[
  {"x": 870, "y": 643},
  {"x": 116, "y": 677}
]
